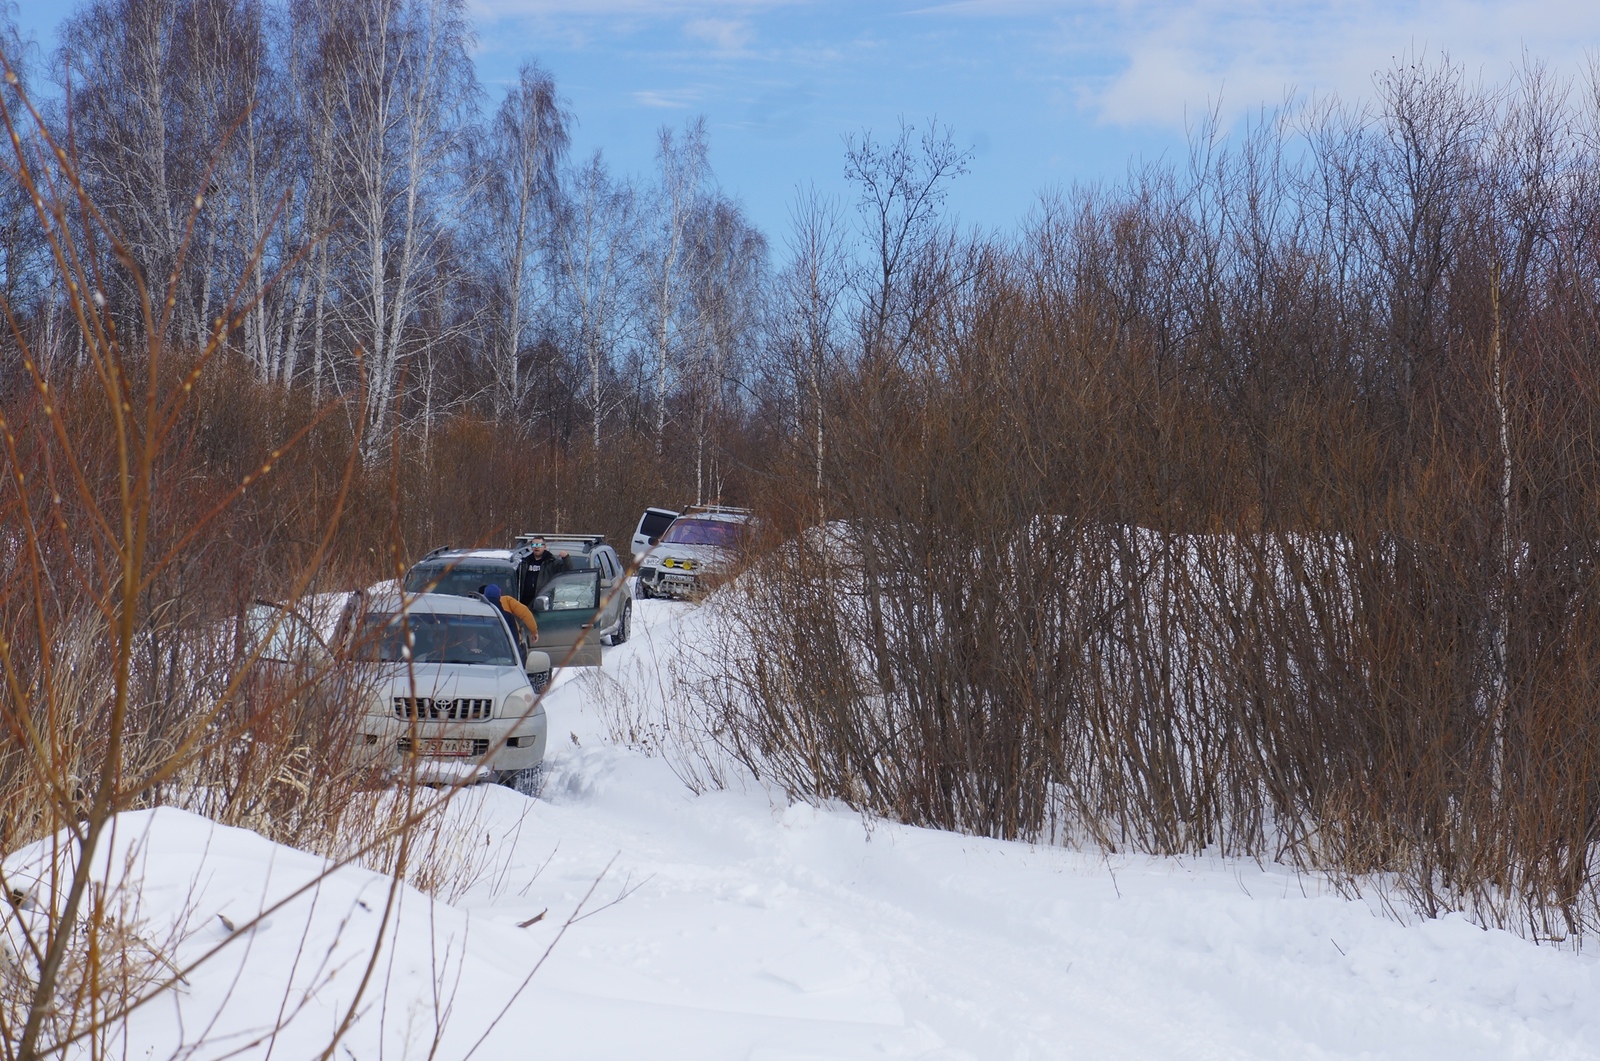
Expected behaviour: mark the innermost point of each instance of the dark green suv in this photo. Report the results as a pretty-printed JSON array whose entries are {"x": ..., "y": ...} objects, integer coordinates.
[{"x": 588, "y": 601}]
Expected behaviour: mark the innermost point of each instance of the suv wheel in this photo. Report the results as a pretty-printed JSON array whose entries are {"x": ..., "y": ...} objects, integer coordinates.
[
  {"x": 528, "y": 782},
  {"x": 624, "y": 625}
]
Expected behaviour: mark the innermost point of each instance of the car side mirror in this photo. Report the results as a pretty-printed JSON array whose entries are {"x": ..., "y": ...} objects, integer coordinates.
[
  {"x": 536, "y": 663},
  {"x": 656, "y": 540},
  {"x": 541, "y": 604}
]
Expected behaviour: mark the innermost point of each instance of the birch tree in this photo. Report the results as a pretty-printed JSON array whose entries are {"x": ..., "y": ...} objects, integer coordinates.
[
  {"x": 116, "y": 59},
  {"x": 402, "y": 81},
  {"x": 727, "y": 274},
  {"x": 812, "y": 289},
  {"x": 595, "y": 248},
  {"x": 528, "y": 141},
  {"x": 683, "y": 171}
]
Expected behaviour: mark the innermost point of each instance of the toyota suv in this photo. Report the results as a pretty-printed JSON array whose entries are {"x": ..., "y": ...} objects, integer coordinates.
[
  {"x": 444, "y": 689},
  {"x": 696, "y": 549}
]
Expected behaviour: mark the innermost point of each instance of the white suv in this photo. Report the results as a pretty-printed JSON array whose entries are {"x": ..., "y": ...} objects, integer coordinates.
[
  {"x": 444, "y": 690},
  {"x": 700, "y": 545}
]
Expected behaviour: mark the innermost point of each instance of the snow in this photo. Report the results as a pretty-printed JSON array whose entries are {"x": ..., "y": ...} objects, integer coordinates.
[{"x": 730, "y": 924}]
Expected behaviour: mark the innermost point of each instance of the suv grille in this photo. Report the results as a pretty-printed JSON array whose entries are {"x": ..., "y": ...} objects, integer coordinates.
[{"x": 426, "y": 709}]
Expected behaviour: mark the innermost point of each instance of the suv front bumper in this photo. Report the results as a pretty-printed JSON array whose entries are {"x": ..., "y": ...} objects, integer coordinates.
[
  {"x": 672, "y": 583},
  {"x": 452, "y": 750}
]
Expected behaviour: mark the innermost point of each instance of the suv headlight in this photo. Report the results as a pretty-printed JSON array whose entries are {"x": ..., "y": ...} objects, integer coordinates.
[{"x": 518, "y": 705}]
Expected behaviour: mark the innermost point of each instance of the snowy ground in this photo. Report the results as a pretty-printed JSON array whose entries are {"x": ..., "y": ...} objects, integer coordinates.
[{"x": 751, "y": 929}]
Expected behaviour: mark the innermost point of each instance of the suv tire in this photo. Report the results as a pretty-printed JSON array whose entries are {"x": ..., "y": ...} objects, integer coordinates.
[
  {"x": 528, "y": 782},
  {"x": 624, "y": 625}
]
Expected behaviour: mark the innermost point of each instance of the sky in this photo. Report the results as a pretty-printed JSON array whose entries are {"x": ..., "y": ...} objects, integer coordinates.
[{"x": 1045, "y": 93}]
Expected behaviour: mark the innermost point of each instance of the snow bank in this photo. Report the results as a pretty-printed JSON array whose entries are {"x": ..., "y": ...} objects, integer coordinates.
[{"x": 273, "y": 944}]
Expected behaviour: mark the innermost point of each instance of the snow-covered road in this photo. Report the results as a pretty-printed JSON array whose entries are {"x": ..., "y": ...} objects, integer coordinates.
[
  {"x": 774, "y": 931},
  {"x": 750, "y": 929}
]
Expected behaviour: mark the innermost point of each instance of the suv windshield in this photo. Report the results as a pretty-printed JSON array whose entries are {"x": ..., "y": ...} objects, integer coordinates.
[
  {"x": 424, "y": 637},
  {"x": 704, "y": 532},
  {"x": 459, "y": 578}
]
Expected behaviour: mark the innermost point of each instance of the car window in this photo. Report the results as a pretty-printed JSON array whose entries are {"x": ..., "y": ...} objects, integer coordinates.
[
  {"x": 654, "y": 523},
  {"x": 424, "y": 637},
  {"x": 459, "y": 578},
  {"x": 573, "y": 590},
  {"x": 704, "y": 532},
  {"x": 608, "y": 564}
]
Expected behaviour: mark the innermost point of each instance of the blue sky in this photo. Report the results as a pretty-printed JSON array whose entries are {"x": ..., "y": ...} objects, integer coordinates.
[{"x": 1045, "y": 92}]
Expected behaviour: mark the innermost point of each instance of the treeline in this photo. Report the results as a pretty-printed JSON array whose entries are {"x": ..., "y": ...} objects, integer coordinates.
[{"x": 319, "y": 185}]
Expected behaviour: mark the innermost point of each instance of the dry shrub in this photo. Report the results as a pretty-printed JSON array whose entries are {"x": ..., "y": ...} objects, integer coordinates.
[{"x": 1244, "y": 512}]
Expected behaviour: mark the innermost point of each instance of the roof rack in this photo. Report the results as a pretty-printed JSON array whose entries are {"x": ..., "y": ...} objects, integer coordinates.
[
  {"x": 717, "y": 510},
  {"x": 587, "y": 539}
]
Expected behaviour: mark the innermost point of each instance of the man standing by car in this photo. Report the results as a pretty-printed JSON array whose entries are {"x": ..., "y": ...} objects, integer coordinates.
[
  {"x": 545, "y": 565},
  {"x": 511, "y": 606}
]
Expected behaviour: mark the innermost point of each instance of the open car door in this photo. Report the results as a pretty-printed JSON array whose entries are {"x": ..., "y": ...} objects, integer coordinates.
[{"x": 566, "y": 612}]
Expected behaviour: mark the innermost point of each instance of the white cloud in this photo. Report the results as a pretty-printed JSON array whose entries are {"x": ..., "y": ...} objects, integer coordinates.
[
  {"x": 1177, "y": 57},
  {"x": 679, "y": 99},
  {"x": 1131, "y": 62}
]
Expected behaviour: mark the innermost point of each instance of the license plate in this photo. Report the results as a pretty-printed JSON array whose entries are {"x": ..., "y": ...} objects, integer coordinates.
[
  {"x": 443, "y": 746},
  {"x": 687, "y": 580}
]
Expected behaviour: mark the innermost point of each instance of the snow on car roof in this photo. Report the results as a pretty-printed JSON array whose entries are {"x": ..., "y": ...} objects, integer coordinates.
[
  {"x": 438, "y": 603},
  {"x": 474, "y": 554}
]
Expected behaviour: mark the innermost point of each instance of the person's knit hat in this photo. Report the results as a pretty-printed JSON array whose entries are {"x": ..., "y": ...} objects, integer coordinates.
[{"x": 492, "y": 592}]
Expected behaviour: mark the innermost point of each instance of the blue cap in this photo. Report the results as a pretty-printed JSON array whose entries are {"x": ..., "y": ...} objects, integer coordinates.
[{"x": 492, "y": 592}]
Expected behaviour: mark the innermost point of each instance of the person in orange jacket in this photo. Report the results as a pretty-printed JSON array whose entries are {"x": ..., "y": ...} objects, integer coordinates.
[{"x": 511, "y": 606}]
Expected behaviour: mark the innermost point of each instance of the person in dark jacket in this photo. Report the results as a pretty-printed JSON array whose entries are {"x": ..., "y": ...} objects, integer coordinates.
[{"x": 546, "y": 565}]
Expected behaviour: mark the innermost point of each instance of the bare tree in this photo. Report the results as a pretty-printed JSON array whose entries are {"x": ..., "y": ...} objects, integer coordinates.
[
  {"x": 812, "y": 288},
  {"x": 596, "y": 243},
  {"x": 901, "y": 187},
  {"x": 402, "y": 81},
  {"x": 728, "y": 278},
  {"x": 528, "y": 141},
  {"x": 225, "y": 88},
  {"x": 22, "y": 247},
  {"x": 683, "y": 172},
  {"x": 117, "y": 61}
]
